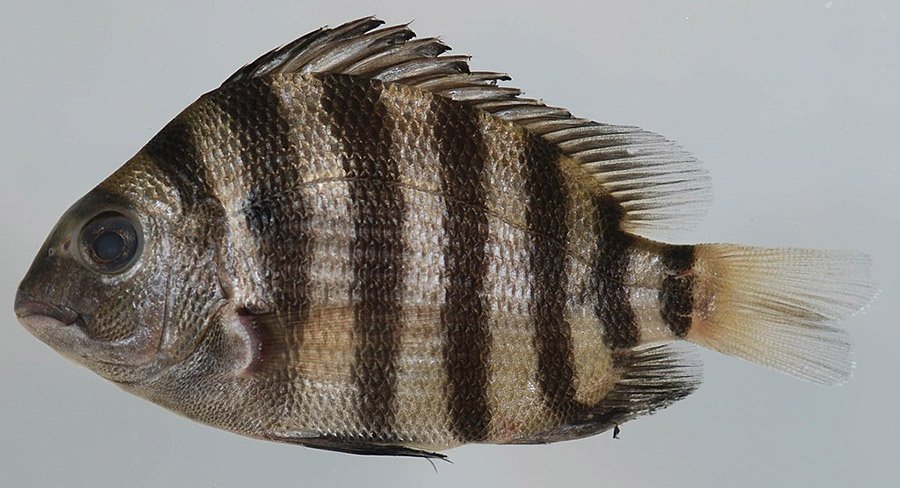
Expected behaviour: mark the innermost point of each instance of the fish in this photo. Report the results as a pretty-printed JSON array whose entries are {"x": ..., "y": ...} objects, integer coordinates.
[{"x": 357, "y": 243}]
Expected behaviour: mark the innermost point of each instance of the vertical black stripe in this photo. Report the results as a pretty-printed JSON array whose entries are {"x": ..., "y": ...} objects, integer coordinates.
[
  {"x": 609, "y": 268},
  {"x": 676, "y": 294},
  {"x": 546, "y": 217},
  {"x": 174, "y": 151},
  {"x": 360, "y": 121},
  {"x": 464, "y": 312},
  {"x": 266, "y": 165}
]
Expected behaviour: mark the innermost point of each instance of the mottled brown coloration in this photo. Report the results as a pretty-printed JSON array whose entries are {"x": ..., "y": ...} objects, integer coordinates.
[{"x": 357, "y": 244}]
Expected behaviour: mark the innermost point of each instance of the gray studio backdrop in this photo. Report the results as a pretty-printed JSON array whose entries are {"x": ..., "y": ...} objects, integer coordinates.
[{"x": 793, "y": 106}]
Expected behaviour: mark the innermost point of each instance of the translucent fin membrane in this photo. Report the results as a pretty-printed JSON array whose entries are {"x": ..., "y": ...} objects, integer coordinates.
[
  {"x": 780, "y": 307},
  {"x": 660, "y": 186},
  {"x": 655, "y": 377}
]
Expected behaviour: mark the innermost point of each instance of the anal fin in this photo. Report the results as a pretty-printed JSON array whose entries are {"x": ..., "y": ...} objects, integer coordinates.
[
  {"x": 355, "y": 446},
  {"x": 652, "y": 378}
]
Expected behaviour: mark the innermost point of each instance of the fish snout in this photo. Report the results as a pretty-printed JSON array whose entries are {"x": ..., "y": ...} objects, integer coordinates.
[{"x": 34, "y": 313}]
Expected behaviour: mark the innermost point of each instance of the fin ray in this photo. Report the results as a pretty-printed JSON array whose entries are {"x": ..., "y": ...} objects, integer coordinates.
[
  {"x": 780, "y": 307},
  {"x": 360, "y": 447},
  {"x": 652, "y": 378},
  {"x": 668, "y": 189}
]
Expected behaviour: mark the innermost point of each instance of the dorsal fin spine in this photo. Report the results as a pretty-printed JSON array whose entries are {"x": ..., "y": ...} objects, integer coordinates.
[{"x": 658, "y": 184}]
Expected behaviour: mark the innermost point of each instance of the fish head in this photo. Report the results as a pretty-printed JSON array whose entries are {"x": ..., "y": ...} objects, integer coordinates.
[{"x": 124, "y": 282}]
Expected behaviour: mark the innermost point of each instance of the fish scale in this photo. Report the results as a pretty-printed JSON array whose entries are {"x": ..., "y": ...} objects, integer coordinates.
[
  {"x": 464, "y": 311},
  {"x": 357, "y": 244},
  {"x": 359, "y": 120}
]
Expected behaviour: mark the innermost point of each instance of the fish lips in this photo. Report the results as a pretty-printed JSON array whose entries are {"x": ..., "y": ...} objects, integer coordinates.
[
  {"x": 61, "y": 328},
  {"x": 41, "y": 317},
  {"x": 27, "y": 307}
]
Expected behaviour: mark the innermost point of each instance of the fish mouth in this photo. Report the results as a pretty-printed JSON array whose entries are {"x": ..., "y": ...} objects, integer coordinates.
[{"x": 35, "y": 313}]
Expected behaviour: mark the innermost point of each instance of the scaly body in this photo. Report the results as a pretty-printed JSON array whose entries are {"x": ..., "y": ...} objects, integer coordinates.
[
  {"x": 356, "y": 244},
  {"x": 449, "y": 277}
]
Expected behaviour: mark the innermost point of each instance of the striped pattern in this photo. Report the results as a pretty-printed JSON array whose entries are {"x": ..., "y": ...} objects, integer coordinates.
[
  {"x": 421, "y": 410},
  {"x": 464, "y": 311},
  {"x": 514, "y": 395},
  {"x": 495, "y": 322},
  {"x": 547, "y": 225},
  {"x": 320, "y": 183},
  {"x": 610, "y": 267},
  {"x": 359, "y": 121},
  {"x": 643, "y": 283},
  {"x": 318, "y": 395},
  {"x": 592, "y": 360},
  {"x": 175, "y": 153},
  {"x": 676, "y": 295},
  {"x": 272, "y": 216},
  {"x": 244, "y": 142}
]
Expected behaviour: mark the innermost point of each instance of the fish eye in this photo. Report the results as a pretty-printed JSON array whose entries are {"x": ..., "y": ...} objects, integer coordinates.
[{"x": 110, "y": 242}]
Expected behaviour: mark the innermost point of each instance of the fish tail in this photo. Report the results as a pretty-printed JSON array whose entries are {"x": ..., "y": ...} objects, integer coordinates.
[{"x": 780, "y": 308}]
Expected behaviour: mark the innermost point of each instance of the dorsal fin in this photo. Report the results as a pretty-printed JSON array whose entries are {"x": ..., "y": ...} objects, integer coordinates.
[{"x": 658, "y": 183}]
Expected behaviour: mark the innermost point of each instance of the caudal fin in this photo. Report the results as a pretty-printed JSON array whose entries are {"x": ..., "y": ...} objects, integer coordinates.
[{"x": 780, "y": 307}]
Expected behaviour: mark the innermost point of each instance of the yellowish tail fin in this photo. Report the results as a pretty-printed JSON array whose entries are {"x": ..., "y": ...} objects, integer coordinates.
[{"x": 780, "y": 307}]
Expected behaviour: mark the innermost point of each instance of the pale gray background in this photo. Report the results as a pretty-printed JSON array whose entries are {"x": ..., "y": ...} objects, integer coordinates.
[{"x": 793, "y": 106}]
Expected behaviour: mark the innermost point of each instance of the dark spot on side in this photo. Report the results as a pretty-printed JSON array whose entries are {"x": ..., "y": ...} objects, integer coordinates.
[{"x": 259, "y": 213}]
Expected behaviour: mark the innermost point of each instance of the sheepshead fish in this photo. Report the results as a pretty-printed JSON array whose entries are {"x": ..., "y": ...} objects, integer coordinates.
[{"x": 356, "y": 243}]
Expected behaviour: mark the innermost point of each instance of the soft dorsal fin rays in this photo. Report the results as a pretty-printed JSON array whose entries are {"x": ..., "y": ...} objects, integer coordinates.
[{"x": 660, "y": 186}]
